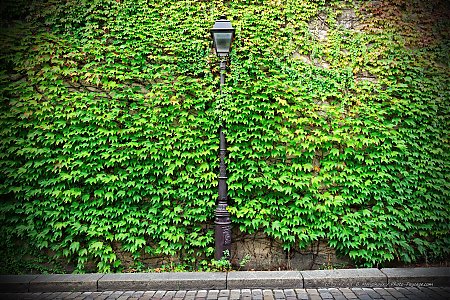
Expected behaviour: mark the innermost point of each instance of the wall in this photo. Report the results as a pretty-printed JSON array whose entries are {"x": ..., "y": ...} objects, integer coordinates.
[{"x": 337, "y": 123}]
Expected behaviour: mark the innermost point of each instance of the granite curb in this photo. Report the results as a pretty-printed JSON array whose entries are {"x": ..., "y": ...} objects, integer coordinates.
[
  {"x": 344, "y": 278},
  {"x": 352, "y": 278},
  {"x": 168, "y": 281},
  {"x": 264, "y": 280},
  {"x": 417, "y": 276}
]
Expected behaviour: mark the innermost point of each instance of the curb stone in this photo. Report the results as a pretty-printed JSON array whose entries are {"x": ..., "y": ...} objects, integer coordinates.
[
  {"x": 417, "y": 276},
  {"x": 344, "y": 278},
  {"x": 65, "y": 283},
  {"x": 155, "y": 281},
  {"x": 16, "y": 283},
  {"x": 264, "y": 279},
  {"x": 352, "y": 278}
]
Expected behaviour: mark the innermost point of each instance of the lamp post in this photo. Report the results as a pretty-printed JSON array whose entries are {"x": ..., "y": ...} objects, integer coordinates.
[{"x": 222, "y": 34}]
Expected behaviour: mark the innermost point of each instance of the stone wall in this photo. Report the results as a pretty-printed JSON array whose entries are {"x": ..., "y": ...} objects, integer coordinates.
[{"x": 260, "y": 252}]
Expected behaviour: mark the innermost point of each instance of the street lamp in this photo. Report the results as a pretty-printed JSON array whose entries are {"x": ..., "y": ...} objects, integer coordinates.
[{"x": 222, "y": 34}]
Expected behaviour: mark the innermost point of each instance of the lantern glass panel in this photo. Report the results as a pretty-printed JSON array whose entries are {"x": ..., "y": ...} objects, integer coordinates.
[{"x": 222, "y": 41}]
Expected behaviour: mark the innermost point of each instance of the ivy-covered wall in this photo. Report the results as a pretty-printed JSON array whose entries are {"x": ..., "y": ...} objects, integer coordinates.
[{"x": 337, "y": 121}]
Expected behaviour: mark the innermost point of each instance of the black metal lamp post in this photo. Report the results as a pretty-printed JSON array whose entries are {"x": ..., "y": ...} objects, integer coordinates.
[{"x": 223, "y": 35}]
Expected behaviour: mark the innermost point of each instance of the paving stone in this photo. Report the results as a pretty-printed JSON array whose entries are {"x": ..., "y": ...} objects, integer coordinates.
[
  {"x": 12, "y": 296},
  {"x": 22, "y": 296},
  {"x": 159, "y": 294},
  {"x": 427, "y": 291},
  {"x": 289, "y": 293},
  {"x": 246, "y": 292},
  {"x": 257, "y": 294},
  {"x": 389, "y": 297},
  {"x": 64, "y": 295},
  {"x": 180, "y": 294},
  {"x": 96, "y": 295},
  {"x": 446, "y": 290},
  {"x": 312, "y": 291},
  {"x": 415, "y": 297},
  {"x": 348, "y": 293},
  {"x": 115, "y": 295},
  {"x": 435, "y": 289},
  {"x": 394, "y": 292},
  {"x": 202, "y": 294},
  {"x": 335, "y": 291},
  {"x": 301, "y": 294},
  {"x": 443, "y": 292},
  {"x": 279, "y": 294},
  {"x": 147, "y": 295},
  {"x": 138, "y": 294},
  {"x": 235, "y": 294},
  {"x": 87, "y": 294},
  {"x": 52, "y": 296},
  {"x": 212, "y": 294},
  {"x": 420, "y": 293},
  {"x": 403, "y": 290},
  {"x": 372, "y": 293},
  {"x": 73, "y": 295},
  {"x": 362, "y": 294},
  {"x": 381, "y": 291},
  {"x": 169, "y": 295},
  {"x": 412, "y": 289},
  {"x": 313, "y": 294},
  {"x": 325, "y": 294},
  {"x": 190, "y": 295},
  {"x": 268, "y": 295},
  {"x": 39, "y": 295}
]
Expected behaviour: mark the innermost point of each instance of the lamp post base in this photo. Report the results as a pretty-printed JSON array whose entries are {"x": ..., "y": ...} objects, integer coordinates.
[
  {"x": 222, "y": 216},
  {"x": 222, "y": 231}
]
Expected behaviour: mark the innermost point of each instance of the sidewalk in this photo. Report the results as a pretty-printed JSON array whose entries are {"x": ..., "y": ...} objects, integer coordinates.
[
  {"x": 439, "y": 293},
  {"x": 389, "y": 283}
]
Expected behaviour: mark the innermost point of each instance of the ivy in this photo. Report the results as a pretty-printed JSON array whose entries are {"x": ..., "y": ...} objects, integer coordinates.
[{"x": 338, "y": 128}]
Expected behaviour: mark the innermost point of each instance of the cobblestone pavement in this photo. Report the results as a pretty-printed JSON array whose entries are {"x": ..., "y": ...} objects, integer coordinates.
[{"x": 247, "y": 294}]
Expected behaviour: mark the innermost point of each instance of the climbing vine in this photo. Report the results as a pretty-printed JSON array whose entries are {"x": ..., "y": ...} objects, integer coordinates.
[{"x": 337, "y": 121}]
